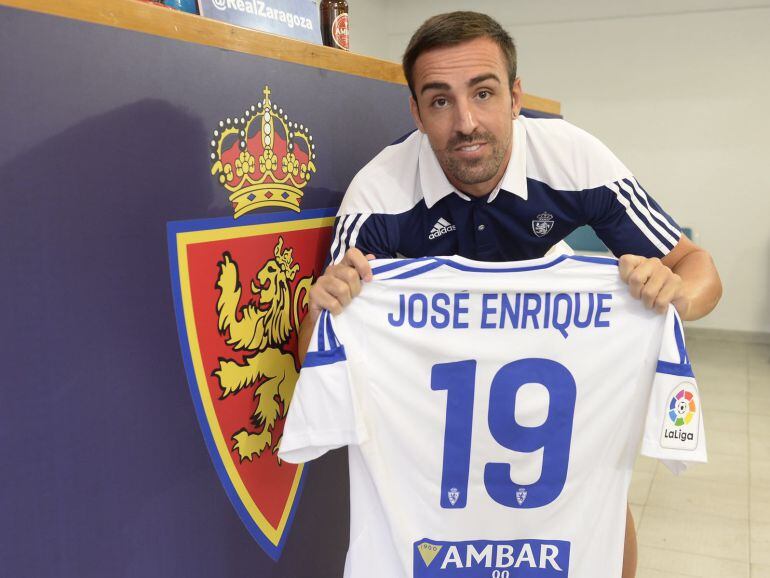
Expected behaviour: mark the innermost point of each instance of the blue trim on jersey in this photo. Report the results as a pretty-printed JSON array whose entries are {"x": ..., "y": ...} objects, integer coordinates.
[
  {"x": 679, "y": 369},
  {"x": 474, "y": 269},
  {"x": 596, "y": 260},
  {"x": 433, "y": 264},
  {"x": 438, "y": 262},
  {"x": 333, "y": 342},
  {"x": 683, "y": 357},
  {"x": 318, "y": 358},
  {"x": 321, "y": 346},
  {"x": 396, "y": 265}
]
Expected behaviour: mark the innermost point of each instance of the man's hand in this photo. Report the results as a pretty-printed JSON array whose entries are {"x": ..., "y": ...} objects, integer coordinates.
[
  {"x": 340, "y": 283},
  {"x": 654, "y": 283},
  {"x": 333, "y": 291}
]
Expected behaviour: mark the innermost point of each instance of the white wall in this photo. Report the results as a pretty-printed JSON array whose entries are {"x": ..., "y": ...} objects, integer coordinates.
[
  {"x": 368, "y": 27},
  {"x": 683, "y": 99}
]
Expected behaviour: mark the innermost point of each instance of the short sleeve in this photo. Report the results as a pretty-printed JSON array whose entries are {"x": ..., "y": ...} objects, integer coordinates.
[
  {"x": 629, "y": 221},
  {"x": 674, "y": 430},
  {"x": 370, "y": 233},
  {"x": 324, "y": 412}
]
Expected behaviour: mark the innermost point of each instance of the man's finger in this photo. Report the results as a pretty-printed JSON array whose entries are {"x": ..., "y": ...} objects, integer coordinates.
[
  {"x": 665, "y": 297},
  {"x": 669, "y": 293},
  {"x": 626, "y": 264},
  {"x": 340, "y": 291},
  {"x": 356, "y": 259},
  {"x": 637, "y": 279},
  {"x": 652, "y": 287}
]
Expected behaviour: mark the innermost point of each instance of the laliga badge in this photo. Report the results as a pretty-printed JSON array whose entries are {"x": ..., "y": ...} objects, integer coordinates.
[{"x": 681, "y": 422}]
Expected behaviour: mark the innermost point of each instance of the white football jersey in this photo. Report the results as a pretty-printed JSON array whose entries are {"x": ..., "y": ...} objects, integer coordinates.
[{"x": 494, "y": 412}]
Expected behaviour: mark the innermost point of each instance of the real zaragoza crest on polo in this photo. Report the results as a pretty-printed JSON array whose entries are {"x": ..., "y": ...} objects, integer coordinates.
[{"x": 240, "y": 288}]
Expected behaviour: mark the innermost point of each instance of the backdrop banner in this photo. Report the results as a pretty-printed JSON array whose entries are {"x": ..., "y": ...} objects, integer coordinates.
[
  {"x": 164, "y": 208},
  {"x": 156, "y": 193}
]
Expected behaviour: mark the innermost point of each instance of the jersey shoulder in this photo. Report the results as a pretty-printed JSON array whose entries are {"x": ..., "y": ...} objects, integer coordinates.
[
  {"x": 389, "y": 183},
  {"x": 566, "y": 157}
]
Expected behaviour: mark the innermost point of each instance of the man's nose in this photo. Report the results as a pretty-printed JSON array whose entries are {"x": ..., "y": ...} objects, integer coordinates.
[{"x": 465, "y": 119}]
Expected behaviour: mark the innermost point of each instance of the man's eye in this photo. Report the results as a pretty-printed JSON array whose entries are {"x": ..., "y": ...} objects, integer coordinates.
[
  {"x": 484, "y": 94},
  {"x": 440, "y": 102}
]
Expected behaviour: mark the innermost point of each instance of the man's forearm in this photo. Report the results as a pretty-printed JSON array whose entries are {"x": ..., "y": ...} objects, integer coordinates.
[{"x": 701, "y": 283}]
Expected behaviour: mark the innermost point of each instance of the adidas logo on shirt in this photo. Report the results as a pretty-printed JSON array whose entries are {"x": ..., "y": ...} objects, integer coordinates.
[{"x": 442, "y": 226}]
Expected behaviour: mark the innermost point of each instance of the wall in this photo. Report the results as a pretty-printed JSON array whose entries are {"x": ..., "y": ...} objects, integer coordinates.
[
  {"x": 368, "y": 30},
  {"x": 682, "y": 100}
]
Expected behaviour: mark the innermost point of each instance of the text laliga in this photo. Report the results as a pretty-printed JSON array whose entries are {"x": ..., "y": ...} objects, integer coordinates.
[
  {"x": 561, "y": 311},
  {"x": 678, "y": 435}
]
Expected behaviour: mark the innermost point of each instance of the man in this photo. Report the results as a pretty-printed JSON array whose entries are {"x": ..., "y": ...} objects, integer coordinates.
[{"x": 481, "y": 181}]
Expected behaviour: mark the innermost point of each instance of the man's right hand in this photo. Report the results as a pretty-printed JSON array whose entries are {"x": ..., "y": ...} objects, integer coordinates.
[
  {"x": 340, "y": 283},
  {"x": 333, "y": 291}
]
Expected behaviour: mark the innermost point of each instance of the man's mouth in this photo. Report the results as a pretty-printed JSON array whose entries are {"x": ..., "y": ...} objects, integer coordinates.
[{"x": 470, "y": 148}]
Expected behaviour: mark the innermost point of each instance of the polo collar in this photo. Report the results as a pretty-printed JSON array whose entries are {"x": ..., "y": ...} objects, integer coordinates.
[{"x": 435, "y": 186}]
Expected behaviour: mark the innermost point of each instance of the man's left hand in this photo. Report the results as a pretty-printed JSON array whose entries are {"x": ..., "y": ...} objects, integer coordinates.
[{"x": 654, "y": 283}]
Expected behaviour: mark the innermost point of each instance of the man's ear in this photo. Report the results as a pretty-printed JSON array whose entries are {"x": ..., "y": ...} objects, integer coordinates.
[
  {"x": 414, "y": 109},
  {"x": 516, "y": 98}
]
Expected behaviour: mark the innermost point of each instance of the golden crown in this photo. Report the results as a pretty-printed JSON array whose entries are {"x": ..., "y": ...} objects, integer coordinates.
[{"x": 263, "y": 159}]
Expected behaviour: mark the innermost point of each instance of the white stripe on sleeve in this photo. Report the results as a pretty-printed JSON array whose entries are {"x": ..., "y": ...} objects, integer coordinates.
[
  {"x": 637, "y": 221},
  {"x": 661, "y": 218}
]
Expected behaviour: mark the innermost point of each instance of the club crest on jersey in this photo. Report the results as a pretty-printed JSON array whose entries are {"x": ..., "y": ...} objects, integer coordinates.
[
  {"x": 543, "y": 224},
  {"x": 453, "y": 495},
  {"x": 681, "y": 422},
  {"x": 240, "y": 292},
  {"x": 521, "y": 495}
]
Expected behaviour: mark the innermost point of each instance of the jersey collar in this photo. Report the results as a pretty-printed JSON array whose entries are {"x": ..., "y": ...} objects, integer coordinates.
[{"x": 435, "y": 186}]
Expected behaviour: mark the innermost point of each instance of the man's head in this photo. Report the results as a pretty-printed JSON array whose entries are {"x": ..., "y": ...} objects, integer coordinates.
[
  {"x": 461, "y": 69},
  {"x": 455, "y": 28}
]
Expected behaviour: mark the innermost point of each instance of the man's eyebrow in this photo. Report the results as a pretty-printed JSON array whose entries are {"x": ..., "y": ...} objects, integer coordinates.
[
  {"x": 434, "y": 86},
  {"x": 483, "y": 77},
  {"x": 472, "y": 82}
]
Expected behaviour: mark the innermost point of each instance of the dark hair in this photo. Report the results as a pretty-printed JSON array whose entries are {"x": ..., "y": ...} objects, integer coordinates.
[{"x": 455, "y": 28}]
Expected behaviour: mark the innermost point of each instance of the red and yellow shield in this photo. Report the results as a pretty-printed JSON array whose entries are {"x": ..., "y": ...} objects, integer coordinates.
[{"x": 240, "y": 291}]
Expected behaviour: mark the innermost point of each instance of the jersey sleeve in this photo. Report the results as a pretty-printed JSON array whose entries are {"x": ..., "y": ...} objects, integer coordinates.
[
  {"x": 674, "y": 430},
  {"x": 368, "y": 232},
  {"x": 628, "y": 220},
  {"x": 324, "y": 412}
]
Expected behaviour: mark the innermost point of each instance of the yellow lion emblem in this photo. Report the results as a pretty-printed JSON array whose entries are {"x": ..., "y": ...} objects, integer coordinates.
[{"x": 263, "y": 329}]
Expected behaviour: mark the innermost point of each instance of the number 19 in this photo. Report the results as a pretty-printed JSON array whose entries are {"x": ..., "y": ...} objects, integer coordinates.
[{"x": 553, "y": 436}]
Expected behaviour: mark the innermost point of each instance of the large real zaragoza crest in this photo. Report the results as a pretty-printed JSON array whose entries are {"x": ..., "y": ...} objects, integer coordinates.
[{"x": 241, "y": 290}]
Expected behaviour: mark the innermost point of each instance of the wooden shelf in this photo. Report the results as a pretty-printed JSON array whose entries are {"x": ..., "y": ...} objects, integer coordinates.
[{"x": 159, "y": 21}]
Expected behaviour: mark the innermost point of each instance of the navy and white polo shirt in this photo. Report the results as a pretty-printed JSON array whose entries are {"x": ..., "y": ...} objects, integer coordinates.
[{"x": 559, "y": 178}]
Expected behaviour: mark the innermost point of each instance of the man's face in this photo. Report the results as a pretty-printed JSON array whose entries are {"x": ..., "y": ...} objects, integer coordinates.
[{"x": 464, "y": 105}]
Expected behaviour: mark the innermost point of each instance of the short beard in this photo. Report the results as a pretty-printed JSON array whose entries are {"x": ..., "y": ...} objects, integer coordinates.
[{"x": 477, "y": 171}]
